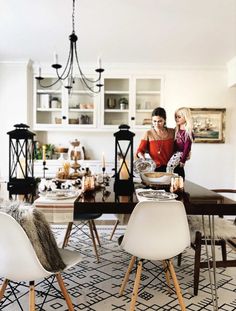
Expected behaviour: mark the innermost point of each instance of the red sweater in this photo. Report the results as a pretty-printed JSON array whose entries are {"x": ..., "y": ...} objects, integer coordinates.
[{"x": 160, "y": 150}]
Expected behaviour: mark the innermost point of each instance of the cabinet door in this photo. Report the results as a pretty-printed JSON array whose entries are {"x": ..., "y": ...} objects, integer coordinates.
[
  {"x": 48, "y": 103},
  {"x": 116, "y": 102},
  {"x": 81, "y": 106},
  {"x": 147, "y": 97},
  {"x": 55, "y": 107}
]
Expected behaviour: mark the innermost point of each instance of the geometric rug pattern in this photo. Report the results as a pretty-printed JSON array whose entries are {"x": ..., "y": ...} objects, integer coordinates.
[{"x": 94, "y": 286}]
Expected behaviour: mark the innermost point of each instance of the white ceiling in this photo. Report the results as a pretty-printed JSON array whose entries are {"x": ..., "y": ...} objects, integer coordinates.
[{"x": 173, "y": 32}]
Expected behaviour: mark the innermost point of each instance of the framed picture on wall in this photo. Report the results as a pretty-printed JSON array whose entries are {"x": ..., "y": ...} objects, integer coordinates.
[{"x": 209, "y": 125}]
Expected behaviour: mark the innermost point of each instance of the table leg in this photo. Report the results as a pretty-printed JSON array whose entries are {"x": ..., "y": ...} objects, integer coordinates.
[{"x": 213, "y": 283}]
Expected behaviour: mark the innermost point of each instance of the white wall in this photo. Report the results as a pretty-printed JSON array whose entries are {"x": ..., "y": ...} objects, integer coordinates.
[
  {"x": 212, "y": 165},
  {"x": 13, "y": 104}
]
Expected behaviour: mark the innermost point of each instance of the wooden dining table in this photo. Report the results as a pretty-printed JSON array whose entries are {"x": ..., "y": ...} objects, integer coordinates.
[{"x": 197, "y": 200}]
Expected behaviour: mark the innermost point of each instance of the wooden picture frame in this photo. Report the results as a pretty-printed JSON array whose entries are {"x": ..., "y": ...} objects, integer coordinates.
[{"x": 209, "y": 125}]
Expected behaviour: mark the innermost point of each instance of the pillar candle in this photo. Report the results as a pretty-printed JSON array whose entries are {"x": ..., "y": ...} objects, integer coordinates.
[{"x": 103, "y": 160}]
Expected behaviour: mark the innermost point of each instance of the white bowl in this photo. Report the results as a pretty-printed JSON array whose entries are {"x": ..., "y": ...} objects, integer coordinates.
[{"x": 156, "y": 178}]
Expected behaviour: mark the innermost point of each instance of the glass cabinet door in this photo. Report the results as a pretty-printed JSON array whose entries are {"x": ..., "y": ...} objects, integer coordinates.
[
  {"x": 147, "y": 97},
  {"x": 116, "y": 101},
  {"x": 81, "y": 105},
  {"x": 49, "y": 103}
]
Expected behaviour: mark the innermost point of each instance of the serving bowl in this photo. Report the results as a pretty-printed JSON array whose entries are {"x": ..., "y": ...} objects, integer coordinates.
[{"x": 156, "y": 178}]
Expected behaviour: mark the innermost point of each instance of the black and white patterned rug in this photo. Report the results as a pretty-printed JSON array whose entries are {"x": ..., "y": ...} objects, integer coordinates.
[{"x": 95, "y": 286}]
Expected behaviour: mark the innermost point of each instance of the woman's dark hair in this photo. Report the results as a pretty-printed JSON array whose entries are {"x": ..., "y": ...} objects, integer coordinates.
[{"x": 160, "y": 112}]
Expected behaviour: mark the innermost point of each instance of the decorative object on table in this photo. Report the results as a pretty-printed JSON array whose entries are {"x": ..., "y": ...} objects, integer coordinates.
[
  {"x": 123, "y": 102},
  {"x": 177, "y": 183},
  {"x": 74, "y": 150},
  {"x": 44, "y": 160},
  {"x": 59, "y": 194},
  {"x": 144, "y": 166},
  {"x": 75, "y": 166},
  {"x": 157, "y": 195},
  {"x": 123, "y": 184},
  {"x": 208, "y": 125},
  {"x": 68, "y": 73},
  {"x": 62, "y": 151},
  {"x": 21, "y": 162},
  {"x": 156, "y": 178}
]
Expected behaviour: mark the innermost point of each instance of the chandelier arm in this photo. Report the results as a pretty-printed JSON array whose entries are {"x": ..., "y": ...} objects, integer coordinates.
[
  {"x": 49, "y": 85},
  {"x": 68, "y": 63},
  {"x": 80, "y": 70}
]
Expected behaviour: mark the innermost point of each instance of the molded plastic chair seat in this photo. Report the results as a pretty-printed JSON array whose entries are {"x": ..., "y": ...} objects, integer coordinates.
[
  {"x": 156, "y": 231},
  {"x": 19, "y": 262}
]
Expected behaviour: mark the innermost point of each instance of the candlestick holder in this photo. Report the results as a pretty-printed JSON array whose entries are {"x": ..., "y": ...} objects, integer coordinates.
[{"x": 44, "y": 168}]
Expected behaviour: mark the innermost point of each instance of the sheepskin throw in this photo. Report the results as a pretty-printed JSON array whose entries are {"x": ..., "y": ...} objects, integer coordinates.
[
  {"x": 223, "y": 228},
  {"x": 38, "y": 231}
]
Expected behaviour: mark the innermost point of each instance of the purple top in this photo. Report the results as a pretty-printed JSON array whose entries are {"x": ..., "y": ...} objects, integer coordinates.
[{"x": 182, "y": 143}]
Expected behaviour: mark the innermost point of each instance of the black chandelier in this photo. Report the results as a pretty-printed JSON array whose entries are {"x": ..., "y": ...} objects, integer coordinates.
[{"x": 68, "y": 73}]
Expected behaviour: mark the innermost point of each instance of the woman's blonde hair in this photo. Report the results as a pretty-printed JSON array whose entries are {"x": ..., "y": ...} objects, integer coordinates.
[{"x": 186, "y": 113}]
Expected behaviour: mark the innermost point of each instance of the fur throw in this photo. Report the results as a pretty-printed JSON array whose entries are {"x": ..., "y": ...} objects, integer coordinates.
[
  {"x": 223, "y": 228},
  {"x": 38, "y": 231}
]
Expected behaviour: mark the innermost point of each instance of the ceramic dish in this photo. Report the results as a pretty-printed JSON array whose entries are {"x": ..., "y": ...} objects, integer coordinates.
[
  {"x": 156, "y": 178},
  {"x": 59, "y": 194},
  {"x": 143, "y": 166},
  {"x": 157, "y": 195}
]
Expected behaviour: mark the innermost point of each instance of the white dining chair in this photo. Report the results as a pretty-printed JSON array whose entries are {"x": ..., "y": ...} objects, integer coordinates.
[
  {"x": 156, "y": 231},
  {"x": 19, "y": 262}
]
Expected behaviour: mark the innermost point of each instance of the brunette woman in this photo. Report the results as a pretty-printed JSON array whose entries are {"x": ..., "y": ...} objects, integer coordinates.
[{"x": 158, "y": 141}]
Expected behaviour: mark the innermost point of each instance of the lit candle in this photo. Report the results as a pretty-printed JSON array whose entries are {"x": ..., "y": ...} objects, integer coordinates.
[
  {"x": 44, "y": 153},
  {"x": 55, "y": 58},
  {"x": 103, "y": 160},
  {"x": 123, "y": 171}
]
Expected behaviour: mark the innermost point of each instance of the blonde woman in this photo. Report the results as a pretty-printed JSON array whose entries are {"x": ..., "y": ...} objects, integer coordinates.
[{"x": 183, "y": 141}]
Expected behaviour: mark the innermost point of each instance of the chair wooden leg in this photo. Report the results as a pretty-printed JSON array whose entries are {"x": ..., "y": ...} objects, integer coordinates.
[
  {"x": 31, "y": 296},
  {"x": 197, "y": 260},
  {"x": 67, "y": 235},
  {"x": 176, "y": 285},
  {"x": 223, "y": 250},
  {"x": 3, "y": 288},
  {"x": 64, "y": 292},
  {"x": 96, "y": 232},
  {"x": 131, "y": 264},
  {"x": 93, "y": 239},
  {"x": 136, "y": 285},
  {"x": 167, "y": 274},
  {"x": 114, "y": 229}
]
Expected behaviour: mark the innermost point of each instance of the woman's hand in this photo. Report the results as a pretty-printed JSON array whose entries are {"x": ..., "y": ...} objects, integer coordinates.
[{"x": 140, "y": 155}]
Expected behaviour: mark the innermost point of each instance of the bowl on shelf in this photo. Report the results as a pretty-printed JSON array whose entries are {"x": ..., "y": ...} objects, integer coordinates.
[
  {"x": 58, "y": 120},
  {"x": 73, "y": 121}
]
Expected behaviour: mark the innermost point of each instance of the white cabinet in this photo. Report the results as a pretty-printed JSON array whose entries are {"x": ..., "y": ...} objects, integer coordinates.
[
  {"x": 124, "y": 99},
  {"x": 55, "y": 108},
  {"x": 130, "y": 100}
]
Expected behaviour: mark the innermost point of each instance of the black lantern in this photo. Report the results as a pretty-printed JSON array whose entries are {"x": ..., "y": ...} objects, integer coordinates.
[
  {"x": 21, "y": 162},
  {"x": 124, "y": 161}
]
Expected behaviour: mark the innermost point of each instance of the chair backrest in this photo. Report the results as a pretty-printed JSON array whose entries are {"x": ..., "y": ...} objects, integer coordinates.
[
  {"x": 157, "y": 230},
  {"x": 18, "y": 260}
]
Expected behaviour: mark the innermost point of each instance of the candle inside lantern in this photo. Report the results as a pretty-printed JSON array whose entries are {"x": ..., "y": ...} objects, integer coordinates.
[
  {"x": 75, "y": 154},
  {"x": 44, "y": 153},
  {"x": 124, "y": 174}
]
